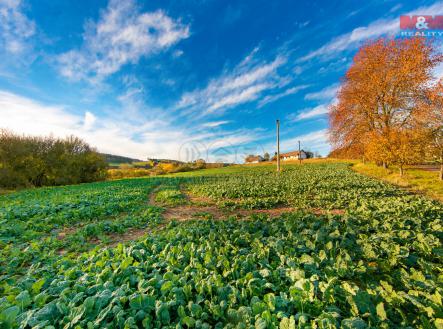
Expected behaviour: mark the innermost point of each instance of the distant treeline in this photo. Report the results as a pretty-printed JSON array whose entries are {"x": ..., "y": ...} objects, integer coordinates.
[
  {"x": 43, "y": 161},
  {"x": 117, "y": 159},
  {"x": 160, "y": 167}
]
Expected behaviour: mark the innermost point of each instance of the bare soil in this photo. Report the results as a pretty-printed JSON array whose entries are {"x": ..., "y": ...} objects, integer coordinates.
[
  {"x": 426, "y": 167},
  {"x": 319, "y": 211},
  {"x": 61, "y": 235},
  {"x": 131, "y": 235},
  {"x": 196, "y": 207}
]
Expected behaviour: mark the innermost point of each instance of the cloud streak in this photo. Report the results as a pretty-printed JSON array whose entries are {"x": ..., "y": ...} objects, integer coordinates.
[
  {"x": 15, "y": 28},
  {"x": 316, "y": 140},
  {"x": 378, "y": 28},
  {"x": 245, "y": 83},
  {"x": 353, "y": 39},
  {"x": 311, "y": 113},
  {"x": 214, "y": 124},
  {"x": 121, "y": 36},
  {"x": 326, "y": 93},
  {"x": 142, "y": 139},
  {"x": 272, "y": 98}
]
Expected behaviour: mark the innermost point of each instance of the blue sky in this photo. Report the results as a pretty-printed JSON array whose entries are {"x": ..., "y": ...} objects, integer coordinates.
[{"x": 183, "y": 79}]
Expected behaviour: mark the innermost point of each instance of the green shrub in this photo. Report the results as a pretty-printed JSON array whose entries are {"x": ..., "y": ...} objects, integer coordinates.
[{"x": 43, "y": 161}]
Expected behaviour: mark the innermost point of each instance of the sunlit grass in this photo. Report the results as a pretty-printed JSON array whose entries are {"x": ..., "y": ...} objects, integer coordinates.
[{"x": 417, "y": 180}]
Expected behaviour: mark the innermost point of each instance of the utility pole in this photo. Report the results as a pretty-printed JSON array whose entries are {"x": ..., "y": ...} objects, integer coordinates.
[
  {"x": 278, "y": 145},
  {"x": 299, "y": 151}
]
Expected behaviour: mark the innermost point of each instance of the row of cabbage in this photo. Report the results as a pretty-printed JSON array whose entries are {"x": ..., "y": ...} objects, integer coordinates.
[
  {"x": 326, "y": 186},
  {"x": 377, "y": 265},
  {"x": 37, "y": 224},
  {"x": 300, "y": 270}
]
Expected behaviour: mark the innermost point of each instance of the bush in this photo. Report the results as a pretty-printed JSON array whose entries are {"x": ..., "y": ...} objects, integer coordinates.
[
  {"x": 128, "y": 173},
  {"x": 43, "y": 161},
  {"x": 183, "y": 168},
  {"x": 163, "y": 168},
  {"x": 166, "y": 167}
]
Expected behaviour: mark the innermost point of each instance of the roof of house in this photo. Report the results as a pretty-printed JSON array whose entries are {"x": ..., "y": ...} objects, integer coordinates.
[
  {"x": 253, "y": 158},
  {"x": 289, "y": 154}
]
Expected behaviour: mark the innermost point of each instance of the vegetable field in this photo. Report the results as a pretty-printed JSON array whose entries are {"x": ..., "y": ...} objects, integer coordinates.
[{"x": 348, "y": 252}]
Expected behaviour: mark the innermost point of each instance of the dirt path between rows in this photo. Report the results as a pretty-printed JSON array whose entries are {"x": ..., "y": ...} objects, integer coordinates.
[
  {"x": 195, "y": 208},
  {"x": 200, "y": 207}
]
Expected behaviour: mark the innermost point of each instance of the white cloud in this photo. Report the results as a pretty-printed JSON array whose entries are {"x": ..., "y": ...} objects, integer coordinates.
[
  {"x": 89, "y": 120},
  {"x": 303, "y": 24},
  {"x": 178, "y": 53},
  {"x": 250, "y": 57},
  {"x": 438, "y": 71},
  {"x": 298, "y": 69},
  {"x": 314, "y": 141},
  {"x": 117, "y": 135},
  {"x": 326, "y": 93},
  {"x": 121, "y": 36},
  {"x": 214, "y": 124},
  {"x": 314, "y": 112},
  {"x": 375, "y": 29},
  {"x": 238, "y": 97},
  {"x": 333, "y": 66},
  {"x": 272, "y": 98},
  {"x": 26, "y": 116},
  {"x": 311, "y": 113},
  {"x": 15, "y": 28},
  {"x": 354, "y": 38},
  {"x": 244, "y": 84},
  {"x": 395, "y": 8}
]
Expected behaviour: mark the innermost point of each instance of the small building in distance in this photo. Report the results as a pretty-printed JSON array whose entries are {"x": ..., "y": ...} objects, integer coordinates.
[
  {"x": 294, "y": 155},
  {"x": 254, "y": 159}
]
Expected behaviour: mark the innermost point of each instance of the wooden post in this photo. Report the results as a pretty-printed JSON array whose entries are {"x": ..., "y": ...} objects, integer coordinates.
[
  {"x": 278, "y": 145},
  {"x": 299, "y": 152}
]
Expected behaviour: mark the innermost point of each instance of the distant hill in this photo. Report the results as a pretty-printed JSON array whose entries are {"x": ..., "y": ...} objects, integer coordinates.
[
  {"x": 167, "y": 161},
  {"x": 117, "y": 159}
]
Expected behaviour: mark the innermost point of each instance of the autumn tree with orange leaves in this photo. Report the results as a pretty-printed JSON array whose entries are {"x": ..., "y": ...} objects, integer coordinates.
[
  {"x": 376, "y": 116},
  {"x": 428, "y": 121}
]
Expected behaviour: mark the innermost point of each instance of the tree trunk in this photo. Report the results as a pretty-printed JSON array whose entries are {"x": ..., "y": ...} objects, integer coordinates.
[
  {"x": 441, "y": 164},
  {"x": 385, "y": 165},
  {"x": 401, "y": 171}
]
